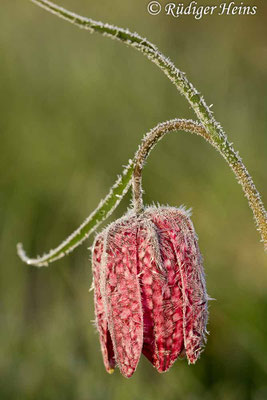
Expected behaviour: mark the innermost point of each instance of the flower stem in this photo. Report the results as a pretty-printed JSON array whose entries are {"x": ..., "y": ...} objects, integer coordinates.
[
  {"x": 147, "y": 144},
  {"x": 116, "y": 193}
]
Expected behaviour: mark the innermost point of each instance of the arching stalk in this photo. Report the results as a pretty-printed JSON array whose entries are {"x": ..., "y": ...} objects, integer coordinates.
[
  {"x": 116, "y": 193},
  {"x": 148, "y": 143}
]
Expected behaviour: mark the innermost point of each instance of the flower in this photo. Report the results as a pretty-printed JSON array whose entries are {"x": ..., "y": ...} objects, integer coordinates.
[{"x": 150, "y": 293}]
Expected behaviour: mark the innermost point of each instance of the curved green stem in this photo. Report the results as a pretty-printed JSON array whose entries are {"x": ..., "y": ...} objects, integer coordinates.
[
  {"x": 116, "y": 193},
  {"x": 148, "y": 143}
]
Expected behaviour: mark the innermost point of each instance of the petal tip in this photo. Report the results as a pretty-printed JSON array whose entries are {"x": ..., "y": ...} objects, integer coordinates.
[{"x": 110, "y": 371}]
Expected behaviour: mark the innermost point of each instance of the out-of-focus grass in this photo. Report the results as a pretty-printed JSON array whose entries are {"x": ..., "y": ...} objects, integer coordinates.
[{"x": 73, "y": 110}]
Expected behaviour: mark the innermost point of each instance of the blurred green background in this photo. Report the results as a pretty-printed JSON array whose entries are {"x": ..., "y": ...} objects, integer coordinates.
[{"x": 73, "y": 108}]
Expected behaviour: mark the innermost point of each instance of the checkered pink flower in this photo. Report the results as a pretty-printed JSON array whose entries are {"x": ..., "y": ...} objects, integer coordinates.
[{"x": 150, "y": 294}]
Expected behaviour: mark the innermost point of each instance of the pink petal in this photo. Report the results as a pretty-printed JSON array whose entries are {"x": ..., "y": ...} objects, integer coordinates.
[
  {"x": 122, "y": 295},
  {"x": 101, "y": 320},
  {"x": 161, "y": 296},
  {"x": 194, "y": 296}
]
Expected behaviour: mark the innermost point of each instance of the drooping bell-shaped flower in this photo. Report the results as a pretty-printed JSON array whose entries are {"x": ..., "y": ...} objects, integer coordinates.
[{"x": 150, "y": 294}]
